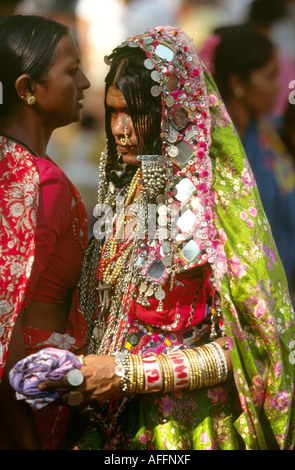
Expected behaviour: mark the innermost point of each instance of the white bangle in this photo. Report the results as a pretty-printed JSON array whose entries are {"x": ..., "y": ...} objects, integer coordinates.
[{"x": 220, "y": 359}]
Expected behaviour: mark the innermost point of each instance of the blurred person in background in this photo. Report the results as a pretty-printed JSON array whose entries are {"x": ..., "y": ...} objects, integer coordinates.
[
  {"x": 283, "y": 31},
  {"x": 245, "y": 66},
  {"x": 263, "y": 16}
]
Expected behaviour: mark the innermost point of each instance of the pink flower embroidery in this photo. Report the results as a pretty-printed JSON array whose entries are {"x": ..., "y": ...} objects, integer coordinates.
[
  {"x": 236, "y": 268},
  {"x": 272, "y": 256},
  {"x": 204, "y": 438},
  {"x": 217, "y": 394},
  {"x": 250, "y": 223},
  {"x": 278, "y": 369},
  {"x": 260, "y": 309},
  {"x": 143, "y": 438},
  {"x": 246, "y": 178},
  {"x": 166, "y": 405},
  {"x": 253, "y": 212},
  {"x": 213, "y": 100},
  {"x": 222, "y": 236},
  {"x": 282, "y": 401},
  {"x": 230, "y": 343},
  {"x": 257, "y": 382},
  {"x": 269, "y": 265}
]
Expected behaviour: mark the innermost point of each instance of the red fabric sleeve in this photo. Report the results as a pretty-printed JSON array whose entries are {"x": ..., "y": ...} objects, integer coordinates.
[{"x": 53, "y": 218}]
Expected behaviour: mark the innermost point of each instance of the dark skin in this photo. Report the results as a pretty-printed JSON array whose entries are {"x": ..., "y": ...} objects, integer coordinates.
[{"x": 100, "y": 381}]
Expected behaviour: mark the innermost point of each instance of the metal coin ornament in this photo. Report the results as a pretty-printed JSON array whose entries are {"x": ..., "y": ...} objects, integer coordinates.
[
  {"x": 149, "y": 64},
  {"x": 155, "y": 91},
  {"x": 75, "y": 398},
  {"x": 75, "y": 377},
  {"x": 160, "y": 296},
  {"x": 180, "y": 178},
  {"x": 153, "y": 178}
]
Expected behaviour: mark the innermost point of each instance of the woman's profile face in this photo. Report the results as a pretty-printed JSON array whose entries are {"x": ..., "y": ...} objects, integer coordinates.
[
  {"x": 58, "y": 99},
  {"x": 122, "y": 126},
  {"x": 262, "y": 88}
]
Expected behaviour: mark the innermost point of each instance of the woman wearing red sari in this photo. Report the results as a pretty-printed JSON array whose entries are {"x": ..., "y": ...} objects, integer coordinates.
[{"x": 43, "y": 223}]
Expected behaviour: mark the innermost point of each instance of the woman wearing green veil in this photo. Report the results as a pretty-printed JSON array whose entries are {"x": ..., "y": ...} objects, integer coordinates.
[{"x": 190, "y": 322}]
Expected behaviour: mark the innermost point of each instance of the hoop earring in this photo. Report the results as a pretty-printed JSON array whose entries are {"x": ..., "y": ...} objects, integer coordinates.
[{"x": 31, "y": 100}]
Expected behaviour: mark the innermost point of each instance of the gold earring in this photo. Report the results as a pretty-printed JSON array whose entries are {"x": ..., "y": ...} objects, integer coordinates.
[{"x": 31, "y": 100}]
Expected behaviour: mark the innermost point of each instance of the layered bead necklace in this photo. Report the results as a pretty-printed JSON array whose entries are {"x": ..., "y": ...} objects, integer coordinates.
[{"x": 114, "y": 253}]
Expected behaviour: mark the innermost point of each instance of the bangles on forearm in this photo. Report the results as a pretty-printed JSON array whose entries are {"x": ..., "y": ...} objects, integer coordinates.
[{"x": 184, "y": 369}]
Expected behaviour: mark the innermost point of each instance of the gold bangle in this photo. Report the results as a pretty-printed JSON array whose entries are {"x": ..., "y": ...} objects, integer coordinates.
[
  {"x": 215, "y": 364},
  {"x": 205, "y": 371},
  {"x": 210, "y": 365},
  {"x": 194, "y": 368},
  {"x": 209, "y": 369},
  {"x": 136, "y": 374},
  {"x": 167, "y": 373},
  {"x": 133, "y": 374}
]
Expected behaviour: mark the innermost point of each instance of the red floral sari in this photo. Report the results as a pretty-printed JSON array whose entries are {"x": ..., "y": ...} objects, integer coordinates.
[{"x": 19, "y": 190}]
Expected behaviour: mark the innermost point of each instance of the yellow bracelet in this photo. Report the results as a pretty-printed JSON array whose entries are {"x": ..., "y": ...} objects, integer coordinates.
[
  {"x": 208, "y": 378},
  {"x": 194, "y": 368},
  {"x": 132, "y": 385},
  {"x": 210, "y": 366},
  {"x": 167, "y": 373}
]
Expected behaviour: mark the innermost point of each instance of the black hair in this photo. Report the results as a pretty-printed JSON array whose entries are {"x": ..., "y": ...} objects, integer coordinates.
[
  {"x": 130, "y": 76},
  {"x": 264, "y": 13},
  {"x": 241, "y": 51},
  {"x": 27, "y": 46}
]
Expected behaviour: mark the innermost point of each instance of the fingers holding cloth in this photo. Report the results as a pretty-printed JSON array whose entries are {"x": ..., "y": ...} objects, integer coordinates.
[
  {"x": 52, "y": 374},
  {"x": 94, "y": 382}
]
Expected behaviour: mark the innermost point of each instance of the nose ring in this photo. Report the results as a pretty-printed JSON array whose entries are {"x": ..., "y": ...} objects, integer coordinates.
[{"x": 124, "y": 139}]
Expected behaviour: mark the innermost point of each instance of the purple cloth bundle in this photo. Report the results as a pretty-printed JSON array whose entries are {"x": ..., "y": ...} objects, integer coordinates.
[{"x": 46, "y": 364}]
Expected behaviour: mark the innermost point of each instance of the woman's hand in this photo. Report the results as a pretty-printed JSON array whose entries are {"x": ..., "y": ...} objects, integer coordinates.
[{"x": 100, "y": 381}]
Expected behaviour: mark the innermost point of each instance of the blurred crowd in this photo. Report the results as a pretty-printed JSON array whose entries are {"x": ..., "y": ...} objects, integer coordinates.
[{"x": 258, "y": 88}]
